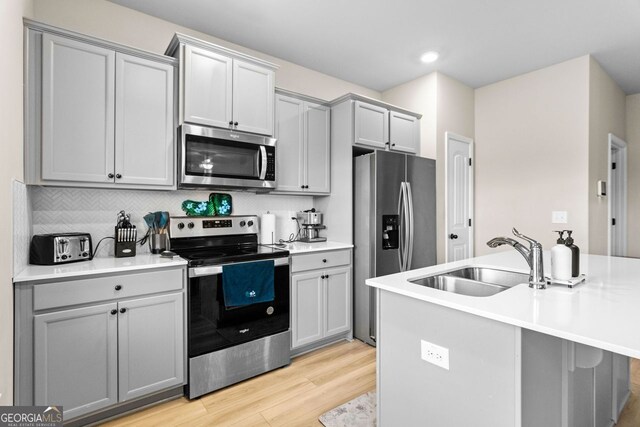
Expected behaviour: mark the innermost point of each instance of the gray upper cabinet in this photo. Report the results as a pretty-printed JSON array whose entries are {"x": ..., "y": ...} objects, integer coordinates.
[
  {"x": 98, "y": 114},
  {"x": 303, "y": 163},
  {"x": 76, "y": 344},
  {"x": 371, "y": 125},
  {"x": 223, "y": 88},
  {"x": 253, "y": 92},
  {"x": 207, "y": 87},
  {"x": 144, "y": 148},
  {"x": 404, "y": 133},
  {"x": 150, "y": 334},
  {"x": 77, "y": 111}
]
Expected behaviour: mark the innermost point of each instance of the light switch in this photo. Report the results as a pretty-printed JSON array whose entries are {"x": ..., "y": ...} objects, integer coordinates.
[{"x": 559, "y": 217}]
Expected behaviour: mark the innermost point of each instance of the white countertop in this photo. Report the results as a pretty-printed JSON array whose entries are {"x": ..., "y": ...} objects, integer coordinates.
[
  {"x": 297, "y": 248},
  {"x": 603, "y": 312},
  {"x": 96, "y": 266}
]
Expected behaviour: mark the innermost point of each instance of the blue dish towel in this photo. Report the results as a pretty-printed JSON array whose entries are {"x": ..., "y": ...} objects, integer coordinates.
[{"x": 247, "y": 283}]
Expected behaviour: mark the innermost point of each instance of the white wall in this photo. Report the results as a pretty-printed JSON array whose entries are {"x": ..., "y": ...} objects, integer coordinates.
[
  {"x": 11, "y": 13},
  {"x": 606, "y": 115},
  {"x": 100, "y": 18},
  {"x": 633, "y": 190},
  {"x": 531, "y": 135}
]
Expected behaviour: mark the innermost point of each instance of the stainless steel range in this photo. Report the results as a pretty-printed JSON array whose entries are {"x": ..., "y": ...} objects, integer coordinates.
[{"x": 238, "y": 301}]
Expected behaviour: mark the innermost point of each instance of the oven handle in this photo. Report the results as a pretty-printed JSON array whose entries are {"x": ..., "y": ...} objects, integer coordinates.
[
  {"x": 212, "y": 270},
  {"x": 263, "y": 168}
]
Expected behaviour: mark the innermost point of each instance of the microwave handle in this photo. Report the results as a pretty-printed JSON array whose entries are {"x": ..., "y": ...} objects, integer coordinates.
[{"x": 263, "y": 156}]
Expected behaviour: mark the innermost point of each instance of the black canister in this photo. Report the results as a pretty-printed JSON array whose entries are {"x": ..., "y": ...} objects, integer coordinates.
[{"x": 575, "y": 255}]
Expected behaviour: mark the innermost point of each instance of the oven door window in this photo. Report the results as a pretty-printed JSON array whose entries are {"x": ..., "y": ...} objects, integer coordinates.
[
  {"x": 220, "y": 158},
  {"x": 212, "y": 326}
]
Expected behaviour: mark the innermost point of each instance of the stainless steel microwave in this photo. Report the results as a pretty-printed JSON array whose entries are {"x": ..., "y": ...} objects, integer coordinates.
[{"x": 214, "y": 158}]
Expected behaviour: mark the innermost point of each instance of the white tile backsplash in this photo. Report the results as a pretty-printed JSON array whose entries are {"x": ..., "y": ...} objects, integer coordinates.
[
  {"x": 94, "y": 210},
  {"x": 21, "y": 226}
]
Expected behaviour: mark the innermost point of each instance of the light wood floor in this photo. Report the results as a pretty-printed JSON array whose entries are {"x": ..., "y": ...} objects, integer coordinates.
[
  {"x": 293, "y": 396},
  {"x": 298, "y": 394}
]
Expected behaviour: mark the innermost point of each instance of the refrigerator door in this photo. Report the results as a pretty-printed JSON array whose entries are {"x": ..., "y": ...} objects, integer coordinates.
[
  {"x": 390, "y": 173},
  {"x": 421, "y": 175}
]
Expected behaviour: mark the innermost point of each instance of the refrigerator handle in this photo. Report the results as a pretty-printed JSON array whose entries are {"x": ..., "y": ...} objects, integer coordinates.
[
  {"x": 401, "y": 225},
  {"x": 411, "y": 228},
  {"x": 405, "y": 199}
]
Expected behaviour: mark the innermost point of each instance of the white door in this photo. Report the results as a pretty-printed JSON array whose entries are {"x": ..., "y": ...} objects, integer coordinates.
[
  {"x": 307, "y": 302},
  {"x": 207, "y": 88},
  {"x": 617, "y": 196},
  {"x": 253, "y": 93},
  {"x": 337, "y": 316},
  {"x": 144, "y": 122},
  {"x": 458, "y": 197},
  {"x": 77, "y": 111}
]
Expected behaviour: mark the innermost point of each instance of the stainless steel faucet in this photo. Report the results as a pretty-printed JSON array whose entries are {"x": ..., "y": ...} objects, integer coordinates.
[{"x": 533, "y": 255}]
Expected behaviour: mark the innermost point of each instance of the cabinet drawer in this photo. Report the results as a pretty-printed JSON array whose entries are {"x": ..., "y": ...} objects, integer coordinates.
[
  {"x": 320, "y": 260},
  {"x": 82, "y": 291}
]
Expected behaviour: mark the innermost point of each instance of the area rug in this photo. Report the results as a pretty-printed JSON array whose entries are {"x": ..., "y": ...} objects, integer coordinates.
[{"x": 359, "y": 412}]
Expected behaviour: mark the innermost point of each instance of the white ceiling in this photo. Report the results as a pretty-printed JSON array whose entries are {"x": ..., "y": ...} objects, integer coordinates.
[{"x": 377, "y": 43}]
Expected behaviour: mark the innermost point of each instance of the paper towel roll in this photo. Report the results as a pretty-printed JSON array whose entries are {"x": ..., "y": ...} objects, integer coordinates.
[{"x": 268, "y": 229}]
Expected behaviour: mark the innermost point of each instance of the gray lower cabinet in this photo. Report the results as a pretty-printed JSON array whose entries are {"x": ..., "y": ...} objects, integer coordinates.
[
  {"x": 321, "y": 298},
  {"x": 303, "y": 163},
  {"x": 97, "y": 114},
  {"x": 92, "y": 344},
  {"x": 76, "y": 359}
]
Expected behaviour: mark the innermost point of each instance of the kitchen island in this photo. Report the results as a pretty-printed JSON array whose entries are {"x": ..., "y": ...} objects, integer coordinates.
[{"x": 522, "y": 357}]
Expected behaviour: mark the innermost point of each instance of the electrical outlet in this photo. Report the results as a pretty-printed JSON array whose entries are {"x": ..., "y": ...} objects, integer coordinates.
[
  {"x": 435, "y": 354},
  {"x": 559, "y": 217}
]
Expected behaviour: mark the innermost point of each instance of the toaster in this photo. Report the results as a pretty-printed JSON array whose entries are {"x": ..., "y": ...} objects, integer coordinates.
[{"x": 60, "y": 248}]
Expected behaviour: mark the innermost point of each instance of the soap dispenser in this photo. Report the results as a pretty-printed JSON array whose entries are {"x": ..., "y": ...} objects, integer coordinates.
[
  {"x": 561, "y": 259},
  {"x": 575, "y": 254}
]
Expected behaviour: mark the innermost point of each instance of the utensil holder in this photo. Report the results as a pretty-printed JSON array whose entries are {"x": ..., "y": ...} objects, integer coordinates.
[{"x": 157, "y": 242}]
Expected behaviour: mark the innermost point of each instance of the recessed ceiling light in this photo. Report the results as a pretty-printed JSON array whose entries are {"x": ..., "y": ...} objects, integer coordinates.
[{"x": 430, "y": 56}]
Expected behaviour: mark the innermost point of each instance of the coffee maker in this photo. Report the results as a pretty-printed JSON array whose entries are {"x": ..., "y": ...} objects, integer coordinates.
[{"x": 310, "y": 223}]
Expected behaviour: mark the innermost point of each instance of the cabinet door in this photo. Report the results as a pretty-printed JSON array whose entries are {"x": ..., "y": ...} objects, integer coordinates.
[
  {"x": 253, "y": 93},
  {"x": 207, "y": 87},
  {"x": 290, "y": 144},
  {"x": 371, "y": 125},
  {"x": 75, "y": 359},
  {"x": 77, "y": 111},
  {"x": 404, "y": 133},
  {"x": 144, "y": 122},
  {"x": 150, "y": 345},
  {"x": 318, "y": 158},
  {"x": 306, "y": 309},
  {"x": 337, "y": 315}
]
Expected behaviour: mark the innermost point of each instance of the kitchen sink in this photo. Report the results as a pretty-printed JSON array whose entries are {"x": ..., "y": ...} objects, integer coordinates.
[{"x": 473, "y": 281}]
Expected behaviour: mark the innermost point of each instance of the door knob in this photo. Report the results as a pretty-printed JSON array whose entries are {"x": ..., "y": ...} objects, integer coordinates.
[{"x": 453, "y": 236}]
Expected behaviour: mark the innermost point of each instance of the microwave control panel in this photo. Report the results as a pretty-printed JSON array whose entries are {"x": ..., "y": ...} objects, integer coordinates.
[{"x": 270, "y": 175}]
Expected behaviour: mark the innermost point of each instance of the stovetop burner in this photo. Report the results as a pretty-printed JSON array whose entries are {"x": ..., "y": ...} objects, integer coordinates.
[{"x": 227, "y": 254}]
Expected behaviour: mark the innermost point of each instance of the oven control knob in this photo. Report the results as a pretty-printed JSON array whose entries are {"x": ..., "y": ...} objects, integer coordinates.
[
  {"x": 191, "y": 225},
  {"x": 250, "y": 223},
  {"x": 270, "y": 310},
  {"x": 181, "y": 226},
  {"x": 242, "y": 223}
]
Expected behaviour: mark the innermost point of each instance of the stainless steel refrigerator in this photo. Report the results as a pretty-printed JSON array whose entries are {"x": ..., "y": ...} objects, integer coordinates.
[{"x": 394, "y": 225}]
